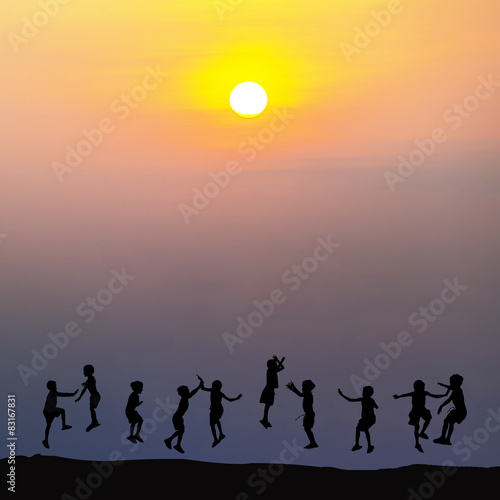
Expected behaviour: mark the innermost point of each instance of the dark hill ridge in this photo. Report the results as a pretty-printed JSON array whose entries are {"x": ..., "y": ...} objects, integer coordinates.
[{"x": 54, "y": 478}]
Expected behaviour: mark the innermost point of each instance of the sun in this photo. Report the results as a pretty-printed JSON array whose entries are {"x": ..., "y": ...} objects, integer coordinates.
[{"x": 248, "y": 99}]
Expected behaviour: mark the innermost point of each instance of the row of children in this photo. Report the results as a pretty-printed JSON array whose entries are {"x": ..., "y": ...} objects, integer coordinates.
[{"x": 368, "y": 405}]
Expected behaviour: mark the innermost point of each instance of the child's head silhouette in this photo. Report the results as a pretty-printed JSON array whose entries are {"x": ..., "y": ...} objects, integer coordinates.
[
  {"x": 51, "y": 385},
  {"x": 217, "y": 385},
  {"x": 183, "y": 390},
  {"x": 88, "y": 370},
  {"x": 456, "y": 380},
  {"x": 137, "y": 386},
  {"x": 308, "y": 385},
  {"x": 368, "y": 391},
  {"x": 271, "y": 363},
  {"x": 418, "y": 385}
]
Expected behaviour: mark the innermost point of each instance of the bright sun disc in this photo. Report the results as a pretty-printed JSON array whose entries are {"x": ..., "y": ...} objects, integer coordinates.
[{"x": 248, "y": 99}]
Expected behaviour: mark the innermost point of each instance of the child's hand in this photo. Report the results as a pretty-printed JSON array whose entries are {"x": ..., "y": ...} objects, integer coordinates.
[
  {"x": 439, "y": 410},
  {"x": 140, "y": 403},
  {"x": 239, "y": 396},
  {"x": 340, "y": 392},
  {"x": 290, "y": 385},
  {"x": 395, "y": 396},
  {"x": 74, "y": 394}
]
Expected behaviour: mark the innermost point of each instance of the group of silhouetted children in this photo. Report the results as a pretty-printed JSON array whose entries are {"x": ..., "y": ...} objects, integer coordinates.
[
  {"x": 368, "y": 406},
  {"x": 51, "y": 410}
]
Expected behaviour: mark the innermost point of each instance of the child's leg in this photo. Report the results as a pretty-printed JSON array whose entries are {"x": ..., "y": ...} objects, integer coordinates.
[
  {"x": 357, "y": 436},
  {"x": 310, "y": 435},
  {"x": 219, "y": 426},
  {"x": 132, "y": 429},
  {"x": 451, "y": 426},
  {"x": 179, "y": 437},
  {"x": 47, "y": 430},
  {"x": 212, "y": 428},
  {"x": 63, "y": 417},
  {"x": 445, "y": 428},
  {"x": 266, "y": 412},
  {"x": 415, "y": 432},
  {"x": 368, "y": 438},
  {"x": 138, "y": 428},
  {"x": 426, "y": 424},
  {"x": 93, "y": 414},
  {"x": 48, "y": 420}
]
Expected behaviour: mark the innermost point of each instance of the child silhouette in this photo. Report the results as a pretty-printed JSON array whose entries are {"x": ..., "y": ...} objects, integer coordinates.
[
  {"x": 457, "y": 414},
  {"x": 307, "y": 406},
  {"x": 51, "y": 411},
  {"x": 131, "y": 413},
  {"x": 178, "y": 416},
  {"x": 274, "y": 366},
  {"x": 95, "y": 397},
  {"x": 216, "y": 408},
  {"x": 418, "y": 410},
  {"x": 367, "y": 419}
]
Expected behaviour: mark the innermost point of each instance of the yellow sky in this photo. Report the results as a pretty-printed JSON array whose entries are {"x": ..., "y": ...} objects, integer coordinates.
[{"x": 386, "y": 89}]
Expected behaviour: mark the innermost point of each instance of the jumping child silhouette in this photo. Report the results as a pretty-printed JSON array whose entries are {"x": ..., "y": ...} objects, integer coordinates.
[
  {"x": 418, "y": 410},
  {"x": 216, "y": 408},
  {"x": 178, "y": 416},
  {"x": 51, "y": 411},
  {"x": 367, "y": 419},
  {"x": 307, "y": 405},
  {"x": 131, "y": 413},
  {"x": 455, "y": 415},
  {"x": 95, "y": 397},
  {"x": 274, "y": 366}
]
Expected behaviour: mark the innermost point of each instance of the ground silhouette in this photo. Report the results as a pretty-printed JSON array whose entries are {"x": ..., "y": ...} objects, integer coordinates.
[{"x": 59, "y": 478}]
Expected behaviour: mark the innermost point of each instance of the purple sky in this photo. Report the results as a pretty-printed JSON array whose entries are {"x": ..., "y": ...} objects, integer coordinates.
[{"x": 192, "y": 282}]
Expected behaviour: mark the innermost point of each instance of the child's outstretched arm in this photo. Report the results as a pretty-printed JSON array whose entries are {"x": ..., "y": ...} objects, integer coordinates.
[
  {"x": 294, "y": 389},
  {"x": 403, "y": 395},
  {"x": 202, "y": 385},
  {"x": 81, "y": 393},
  {"x": 66, "y": 394},
  {"x": 347, "y": 398},
  {"x": 196, "y": 389},
  {"x": 437, "y": 395}
]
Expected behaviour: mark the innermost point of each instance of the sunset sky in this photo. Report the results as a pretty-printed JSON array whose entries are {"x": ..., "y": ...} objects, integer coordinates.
[{"x": 121, "y": 155}]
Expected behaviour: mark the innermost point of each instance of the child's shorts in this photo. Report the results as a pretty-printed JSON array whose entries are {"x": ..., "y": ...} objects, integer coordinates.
[
  {"x": 365, "y": 423},
  {"x": 51, "y": 415},
  {"x": 133, "y": 417},
  {"x": 215, "y": 415},
  {"x": 178, "y": 422},
  {"x": 267, "y": 396},
  {"x": 308, "y": 421},
  {"x": 415, "y": 415},
  {"x": 94, "y": 400},
  {"x": 456, "y": 416}
]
